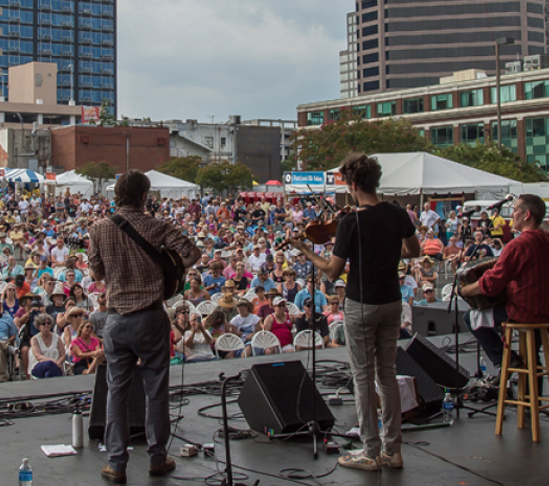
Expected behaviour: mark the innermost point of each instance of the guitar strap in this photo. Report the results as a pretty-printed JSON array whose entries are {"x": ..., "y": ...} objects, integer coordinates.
[{"x": 150, "y": 250}]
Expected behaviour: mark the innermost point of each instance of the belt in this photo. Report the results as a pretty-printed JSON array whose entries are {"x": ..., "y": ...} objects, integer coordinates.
[{"x": 154, "y": 306}]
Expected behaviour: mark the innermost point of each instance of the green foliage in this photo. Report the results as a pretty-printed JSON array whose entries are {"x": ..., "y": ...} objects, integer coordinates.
[
  {"x": 185, "y": 168},
  {"x": 490, "y": 158},
  {"x": 224, "y": 176},
  {"x": 326, "y": 147},
  {"x": 106, "y": 118},
  {"x": 97, "y": 173},
  {"x": 288, "y": 165}
]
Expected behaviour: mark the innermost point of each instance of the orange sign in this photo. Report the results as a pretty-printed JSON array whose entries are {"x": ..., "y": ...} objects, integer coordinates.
[
  {"x": 90, "y": 113},
  {"x": 334, "y": 179},
  {"x": 50, "y": 176}
]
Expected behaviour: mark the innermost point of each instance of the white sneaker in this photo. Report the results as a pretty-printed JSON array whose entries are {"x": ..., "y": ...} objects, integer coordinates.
[
  {"x": 358, "y": 460},
  {"x": 394, "y": 461}
]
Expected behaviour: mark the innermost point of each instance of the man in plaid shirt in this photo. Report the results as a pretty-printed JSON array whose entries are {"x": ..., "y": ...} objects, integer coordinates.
[{"x": 137, "y": 326}]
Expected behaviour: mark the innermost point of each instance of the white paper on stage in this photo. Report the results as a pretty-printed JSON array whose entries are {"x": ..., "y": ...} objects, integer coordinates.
[{"x": 58, "y": 450}]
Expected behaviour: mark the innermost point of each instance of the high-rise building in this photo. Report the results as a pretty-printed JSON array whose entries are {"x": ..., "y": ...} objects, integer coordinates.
[
  {"x": 411, "y": 43},
  {"x": 79, "y": 36}
]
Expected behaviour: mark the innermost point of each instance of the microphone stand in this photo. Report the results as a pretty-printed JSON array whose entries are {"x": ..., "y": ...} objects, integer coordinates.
[{"x": 313, "y": 426}]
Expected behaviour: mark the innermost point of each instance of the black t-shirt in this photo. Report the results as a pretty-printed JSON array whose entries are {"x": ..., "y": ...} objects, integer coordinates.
[
  {"x": 321, "y": 324},
  {"x": 241, "y": 284},
  {"x": 258, "y": 214},
  {"x": 382, "y": 229},
  {"x": 479, "y": 251}
]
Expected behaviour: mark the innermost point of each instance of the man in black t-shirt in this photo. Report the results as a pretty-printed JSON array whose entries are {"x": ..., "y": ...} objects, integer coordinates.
[
  {"x": 373, "y": 238},
  {"x": 320, "y": 323}
]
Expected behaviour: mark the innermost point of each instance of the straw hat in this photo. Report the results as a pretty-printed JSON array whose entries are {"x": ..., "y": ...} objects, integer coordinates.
[
  {"x": 227, "y": 301},
  {"x": 229, "y": 284},
  {"x": 272, "y": 292},
  {"x": 247, "y": 303},
  {"x": 58, "y": 289}
]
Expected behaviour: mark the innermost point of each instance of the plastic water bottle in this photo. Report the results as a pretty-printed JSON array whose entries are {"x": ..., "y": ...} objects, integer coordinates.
[
  {"x": 77, "y": 429},
  {"x": 379, "y": 423},
  {"x": 483, "y": 367},
  {"x": 448, "y": 408},
  {"x": 25, "y": 473}
]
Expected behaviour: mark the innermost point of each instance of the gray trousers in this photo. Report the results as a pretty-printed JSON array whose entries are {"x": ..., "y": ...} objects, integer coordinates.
[
  {"x": 372, "y": 343},
  {"x": 144, "y": 335}
]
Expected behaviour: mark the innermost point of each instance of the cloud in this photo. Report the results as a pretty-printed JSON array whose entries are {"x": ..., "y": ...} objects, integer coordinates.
[{"x": 257, "y": 58}]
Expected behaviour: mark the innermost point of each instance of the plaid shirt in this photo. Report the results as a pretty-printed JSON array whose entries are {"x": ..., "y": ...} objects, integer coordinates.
[
  {"x": 523, "y": 272},
  {"x": 134, "y": 281}
]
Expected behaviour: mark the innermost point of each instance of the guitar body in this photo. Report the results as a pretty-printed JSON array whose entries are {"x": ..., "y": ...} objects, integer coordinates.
[{"x": 174, "y": 281}]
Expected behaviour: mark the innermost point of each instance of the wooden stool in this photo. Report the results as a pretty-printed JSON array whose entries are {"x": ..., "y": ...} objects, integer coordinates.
[{"x": 527, "y": 351}]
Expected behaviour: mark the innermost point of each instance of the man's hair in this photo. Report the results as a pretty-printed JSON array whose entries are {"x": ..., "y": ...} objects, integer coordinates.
[
  {"x": 130, "y": 187},
  {"x": 534, "y": 204},
  {"x": 363, "y": 170}
]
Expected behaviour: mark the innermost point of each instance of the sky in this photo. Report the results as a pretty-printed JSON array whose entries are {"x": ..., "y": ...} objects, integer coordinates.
[{"x": 198, "y": 59}]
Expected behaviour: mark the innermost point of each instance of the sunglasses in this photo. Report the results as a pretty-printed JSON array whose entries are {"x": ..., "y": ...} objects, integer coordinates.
[
  {"x": 183, "y": 312},
  {"x": 48, "y": 323},
  {"x": 335, "y": 303},
  {"x": 281, "y": 305},
  {"x": 428, "y": 292}
]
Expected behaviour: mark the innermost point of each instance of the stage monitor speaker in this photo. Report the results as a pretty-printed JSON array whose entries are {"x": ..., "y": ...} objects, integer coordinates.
[
  {"x": 434, "y": 319},
  {"x": 277, "y": 398},
  {"x": 98, "y": 411},
  {"x": 431, "y": 395},
  {"x": 438, "y": 365}
]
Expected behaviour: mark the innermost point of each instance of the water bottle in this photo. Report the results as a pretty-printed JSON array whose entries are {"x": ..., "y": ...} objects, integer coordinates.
[
  {"x": 379, "y": 423},
  {"x": 483, "y": 367},
  {"x": 448, "y": 408},
  {"x": 25, "y": 473},
  {"x": 77, "y": 429}
]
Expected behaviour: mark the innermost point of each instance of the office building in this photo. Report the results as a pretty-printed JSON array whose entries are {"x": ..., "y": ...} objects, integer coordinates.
[
  {"x": 406, "y": 44},
  {"x": 78, "y": 36},
  {"x": 461, "y": 109}
]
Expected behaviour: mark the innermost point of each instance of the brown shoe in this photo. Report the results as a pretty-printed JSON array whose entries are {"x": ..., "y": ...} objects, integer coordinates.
[
  {"x": 113, "y": 476},
  {"x": 163, "y": 469}
]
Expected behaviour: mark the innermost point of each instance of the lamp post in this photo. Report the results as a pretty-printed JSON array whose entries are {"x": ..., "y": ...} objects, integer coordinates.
[{"x": 501, "y": 41}]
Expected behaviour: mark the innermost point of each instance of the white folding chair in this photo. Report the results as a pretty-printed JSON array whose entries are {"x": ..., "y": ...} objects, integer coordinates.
[
  {"x": 227, "y": 342},
  {"x": 93, "y": 299},
  {"x": 333, "y": 326},
  {"x": 447, "y": 292},
  {"x": 216, "y": 297},
  {"x": 293, "y": 309},
  {"x": 174, "y": 300},
  {"x": 206, "y": 307},
  {"x": 192, "y": 308},
  {"x": 303, "y": 339},
  {"x": 3, "y": 286},
  {"x": 58, "y": 271},
  {"x": 250, "y": 295},
  {"x": 265, "y": 340}
]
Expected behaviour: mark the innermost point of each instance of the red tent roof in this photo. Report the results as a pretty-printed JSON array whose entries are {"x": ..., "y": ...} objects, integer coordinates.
[{"x": 273, "y": 183}]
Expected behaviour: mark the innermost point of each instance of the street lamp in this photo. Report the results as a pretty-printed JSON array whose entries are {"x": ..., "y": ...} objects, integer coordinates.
[{"x": 501, "y": 41}]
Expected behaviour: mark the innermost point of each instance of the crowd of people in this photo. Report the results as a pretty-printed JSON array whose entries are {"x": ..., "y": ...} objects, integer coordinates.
[{"x": 53, "y": 311}]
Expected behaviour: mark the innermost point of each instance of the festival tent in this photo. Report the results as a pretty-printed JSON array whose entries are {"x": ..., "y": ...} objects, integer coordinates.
[
  {"x": 24, "y": 176},
  {"x": 421, "y": 174},
  {"x": 168, "y": 186},
  {"x": 74, "y": 182}
]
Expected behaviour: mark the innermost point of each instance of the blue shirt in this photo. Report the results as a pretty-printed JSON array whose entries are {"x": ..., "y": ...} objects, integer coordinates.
[
  {"x": 406, "y": 292},
  {"x": 7, "y": 327},
  {"x": 267, "y": 285},
  {"x": 77, "y": 276},
  {"x": 219, "y": 281},
  {"x": 424, "y": 302},
  {"x": 320, "y": 300}
]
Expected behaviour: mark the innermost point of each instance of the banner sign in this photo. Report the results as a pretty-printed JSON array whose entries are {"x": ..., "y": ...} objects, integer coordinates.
[
  {"x": 50, "y": 176},
  {"x": 334, "y": 179},
  {"x": 2, "y": 172},
  {"x": 304, "y": 178},
  {"x": 90, "y": 113}
]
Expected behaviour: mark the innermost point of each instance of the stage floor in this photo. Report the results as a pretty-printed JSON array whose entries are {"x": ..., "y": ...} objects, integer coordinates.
[{"x": 467, "y": 450}]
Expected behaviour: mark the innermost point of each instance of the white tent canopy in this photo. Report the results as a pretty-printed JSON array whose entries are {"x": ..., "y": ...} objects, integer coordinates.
[
  {"x": 420, "y": 173},
  {"x": 24, "y": 176},
  {"x": 168, "y": 186},
  {"x": 74, "y": 182}
]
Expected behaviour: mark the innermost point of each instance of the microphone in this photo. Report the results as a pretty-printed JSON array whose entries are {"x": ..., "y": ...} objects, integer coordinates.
[
  {"x": 499, "y": 204},
  {"x": 468, "y": 214}
]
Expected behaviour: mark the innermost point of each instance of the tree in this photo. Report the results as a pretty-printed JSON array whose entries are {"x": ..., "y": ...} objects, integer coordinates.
[
  {"x": 106, "y": 116},
  {"x": 489, "y": 157},
  {"x": 185, "y": 168},
  {"x": 224, "y": 176},
  {"x": 97, "y": 173},
  {"x": 326, "y": 147}
]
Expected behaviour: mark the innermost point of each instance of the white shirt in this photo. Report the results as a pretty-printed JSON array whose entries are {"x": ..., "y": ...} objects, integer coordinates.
[
  {"x": 85, "y": 207},
  {"x": 245, "y": 324},
  {"x": 60, "y": 254},
  {"x": 199, "y": 349},
  {"x": 429, "y": 218},
  {"x": 256, "y": 262},
  {"x": 23, "y": 205}
]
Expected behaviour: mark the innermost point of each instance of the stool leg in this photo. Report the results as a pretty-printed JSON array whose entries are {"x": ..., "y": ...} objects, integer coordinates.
[
  {"x": 522, "y": 380},
  {"x": 533, "y": 383},
  {"x": 545, "y": 345},
  {"x": 504, "y": 376}
]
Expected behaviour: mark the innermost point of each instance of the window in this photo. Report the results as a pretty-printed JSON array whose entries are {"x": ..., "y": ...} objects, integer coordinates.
[
  {"x": 441, "y": 102},
  {"x": 209, "y": 141},
  {"x": 474, "y": 97},
  {"x": 369, "y": 86},
  {"x": 370, "y": 72},
  {"x": 315, "y": 118},
  {"x": 363, "y": 111},
  {"x": 370, "y": 30},
  {"x": 536, "y": 89},
  {"x": 333, "y": 115},
  {"x": 368, "y": 58},
  {"x": 507, "y": 93},
  {"x": 387, "y": 108},
  {"x": 223, "y": 141},
  {"x": 469, "y": 134},
  {"x": 508, "y": 134},
  {"x": 368, "y": 4},
  {"x": 371, "y": 44},
  {"x": 368, "y": 17},
  {"x": 442, "y": 136},
  {"x": 413, "y": 105},
  {"x": 537, "y": 141}
]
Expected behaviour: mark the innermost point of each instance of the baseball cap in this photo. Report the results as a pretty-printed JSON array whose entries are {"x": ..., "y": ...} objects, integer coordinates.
[
  {"x": 262, "y": 271},
  {"x": 43, "y": 258},
  {"x": 278, "y": 301},
  {"x": 427, "y": 287},
  {"x": 339, "y": 283}
]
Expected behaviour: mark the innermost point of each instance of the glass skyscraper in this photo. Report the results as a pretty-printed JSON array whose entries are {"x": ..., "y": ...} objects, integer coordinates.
[{"x": 80, "y": 36}]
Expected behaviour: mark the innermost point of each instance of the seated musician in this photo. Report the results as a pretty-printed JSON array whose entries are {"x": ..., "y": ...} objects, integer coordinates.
[{"x": 522, "y": 272}]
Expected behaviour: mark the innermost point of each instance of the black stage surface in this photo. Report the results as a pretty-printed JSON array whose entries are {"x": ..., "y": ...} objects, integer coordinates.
[{"x": 470, "y": 443}]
